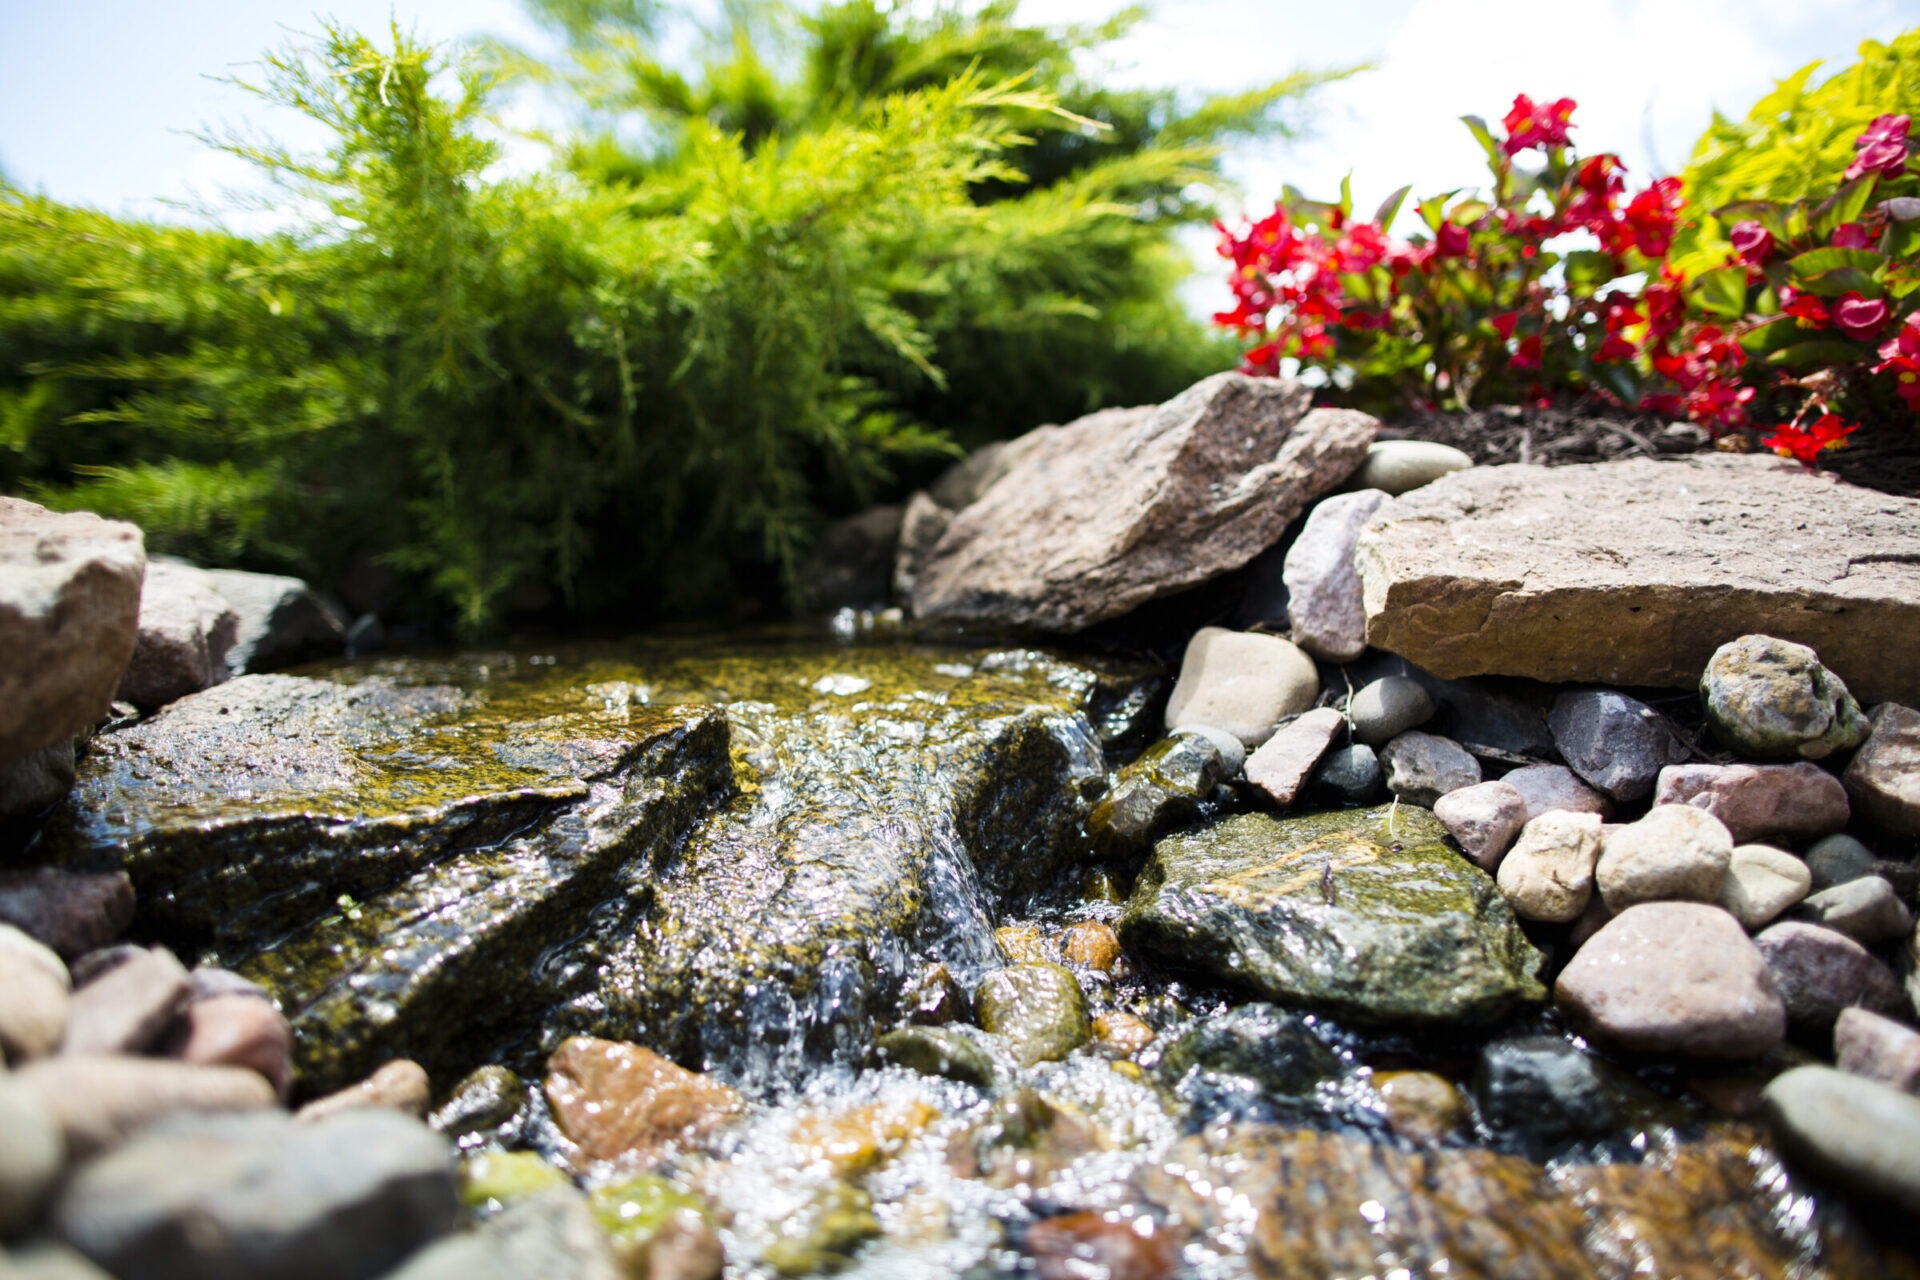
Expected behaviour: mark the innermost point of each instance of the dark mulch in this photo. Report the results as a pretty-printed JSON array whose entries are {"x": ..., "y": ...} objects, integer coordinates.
[{"x": 1887, "y": 459}]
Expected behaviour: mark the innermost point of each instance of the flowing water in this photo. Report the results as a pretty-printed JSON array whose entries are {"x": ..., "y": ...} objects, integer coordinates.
[{"x": 759, "y": 857}]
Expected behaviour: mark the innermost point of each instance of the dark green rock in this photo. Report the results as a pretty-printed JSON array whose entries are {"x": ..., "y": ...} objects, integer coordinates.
[
  {"x": 1039, "y": 1009},
  {"x": 487, "y": 1099},
  {"x": 1269, "y": 1046},
  {"x": 1162, "y": 788},
  {"x": 938, "y": 1051},
  {"x": 1369, "y": 915}
]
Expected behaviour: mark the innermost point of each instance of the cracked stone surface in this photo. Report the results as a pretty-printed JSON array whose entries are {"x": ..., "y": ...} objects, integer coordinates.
[{"x": 1633, "y": 573}]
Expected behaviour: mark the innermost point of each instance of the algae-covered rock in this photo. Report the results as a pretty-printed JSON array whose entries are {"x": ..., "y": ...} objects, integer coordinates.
[
  {"x": 1368, "y": 915},
  {"x": 1269, "y": 1046},
  {"x": 938, "y": 1051},
  {"x": 1039, "y": 1008}
]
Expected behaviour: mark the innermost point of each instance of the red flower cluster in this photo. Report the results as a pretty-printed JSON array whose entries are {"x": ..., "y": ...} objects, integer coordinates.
[
  {"x": 1882, "y": 148},
  {"x": 1900, "y": 355},
  {"x": 1543, "y": 126},
  {"x": 1707, "y": 373},
  {"x": 1804, "y": 444}
]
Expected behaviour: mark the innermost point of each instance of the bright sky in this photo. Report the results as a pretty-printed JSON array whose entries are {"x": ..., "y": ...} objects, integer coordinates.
[{"x": 98, "y": 97}]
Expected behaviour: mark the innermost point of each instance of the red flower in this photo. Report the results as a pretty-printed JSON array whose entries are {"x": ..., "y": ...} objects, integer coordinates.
[
  {"x": 1852, "y": 235},
  {"x": 1900, "y": 354},
  {"x": 1803, "y": 445},
  {"x": 1651, "y": 216},
  {"x": 1528, "y": 356},
  {"x": 1363, "y": 246},
  {"x": 1613, "y": 348},
  {"x": 1752, "y": 243},
  {"x": 1807, "y": 309},
  {"x": 1859, "y": 317},
  {"x": 1882, "y": 148},
  {"x": 1451, "y": 241},
  {"x": 1544, "y": 125},
  {"x": 1503, "y": 324}
]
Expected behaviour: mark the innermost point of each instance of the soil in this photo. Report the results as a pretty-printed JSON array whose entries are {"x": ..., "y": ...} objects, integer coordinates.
[{"x": 1887, "y": 459}]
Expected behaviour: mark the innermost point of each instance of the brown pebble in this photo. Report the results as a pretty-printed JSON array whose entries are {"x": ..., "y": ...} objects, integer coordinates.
[
  {"x": 1092, "y": 944},
  {"x": 400, "y": 1085},
  {"x": 237, "y": 1031},
  {"x": 1122, "y": 1033},
  {"x": 1420, "y": 1106}
]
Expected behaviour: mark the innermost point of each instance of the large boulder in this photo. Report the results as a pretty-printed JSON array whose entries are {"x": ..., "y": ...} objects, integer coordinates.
[
  {"x": 1121, "y": 508},
  {"x": 1368, "y": 915},
  {"x": 1633, "y": 573},
  {"x": 282, "y": 620},
  {"x": 186, "y": 629},
  {"x": 69, "y": 603}
]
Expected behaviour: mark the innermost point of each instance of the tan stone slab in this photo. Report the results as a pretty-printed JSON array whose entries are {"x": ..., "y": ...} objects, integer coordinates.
[{"x": 1633, "y": 573}]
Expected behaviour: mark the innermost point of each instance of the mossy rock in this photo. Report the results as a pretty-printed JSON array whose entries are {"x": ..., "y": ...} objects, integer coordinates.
[{"x": 1369, "y": 915}]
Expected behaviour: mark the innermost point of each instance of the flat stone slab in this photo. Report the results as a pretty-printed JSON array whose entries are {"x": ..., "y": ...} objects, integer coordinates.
[
  {"x": 1633, "y": 573},
  {"x": 1127, "y": 506}
]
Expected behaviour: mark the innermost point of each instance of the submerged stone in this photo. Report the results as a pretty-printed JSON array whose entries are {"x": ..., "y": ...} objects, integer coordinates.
[{"x": 1369, "y": 915}]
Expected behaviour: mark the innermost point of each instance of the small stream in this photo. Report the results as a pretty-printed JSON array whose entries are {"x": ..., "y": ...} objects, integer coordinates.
[{"x": 759, "y": 857}]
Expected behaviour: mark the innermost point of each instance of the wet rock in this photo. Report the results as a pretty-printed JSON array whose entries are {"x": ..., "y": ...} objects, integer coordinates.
[
  {"x": 1122, "y": 1034},
  {"x": 1549, "y": 873},
  {"x": 620, "y": 1101},
  {"x": 1127, "y": 506},
  {"x": 210, "y": 982},
  {"x": 1837, "y": 860},
  {"x": 34, "y": 997},
  {"x": 186, "y": 629},
  {"x": 1091, "y": 1243},
  {"x": 1756, "y": 801},
  {"x": 72, "y": 913},
  {"x": 1483, "y": 820},
  {"x": 1038, "y": 1008},
  {"x": 1332, "y": 1204},
  {"x": 487, "y": 1099},
  {"x": 237, "y": 1031},
  {"x": 1420, "y": 1106},
  {"x": 1819, "y": 972},
  {"x": 1675, "y": 853},
  {"x": 401, "y": 1085},
  {"x": 938, "y": 1051},
  {"x": 31, "y": 1157},
  {"x": 1422, "y": 767},
  {"x": 1285, "y": 761},
  {"x": 1547, "y": 787},
  {"x": 218, "y": 1197},
  {"x": 98, "y": 1102},
  {"x": 1482, "y": 572},
  {"x": 1348, "y": 775},
  {"x": 1674, "y": 977},
  {"x": 825, "y": 1235},
  {"x": 1761, "y": 883},
  {"x": 1770, "y": 699},
  {"x": 279, "y": 621},
  {"x": 1400, "y": 466},
  {"x": 491, "y": 1177},
  {"x": 1616, "y": 743},
  {"x": 1884, "y": 776},
  {"x": 1866, "y": 910},
  {"x": 1324, "y": 608},
  {"x": 1387, "y": 708},
  {"x": 1862, "y": 1134},
  {"x": 127, "y": 1008},
  {"x": 1876, "y": 1047},
  {"x": 548, "y": 1233},
  {"x": 69, "y": 603},
  {"x": 1160, "y": 789},
  {"x": 1241, "y": 682},
  {"x": 657, "y": 1230},
  {"x": 1273, "y": 1048},
  {"x": 933, "y": 997},
  {"x": 858, "y": 1140},
  {"x": 851, "y": 563},
  {"x": 1024, "y": 944},
  {"x": 36, "y": 780},
  {"x": 1367, "y": 914},
  {"x": 1546, "y": 1089},
  {"x": 1092, "y": 944}
]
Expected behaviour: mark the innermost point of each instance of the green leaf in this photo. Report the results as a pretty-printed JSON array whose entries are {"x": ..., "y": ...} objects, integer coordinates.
[
  {"x": 1723, "y": 292},
  {"x": 1831, "y": 284},
  {"x": 1390, "y": 207},
  {"x": 1346, "y": 196},
  {"x": 1621, "y": 378},
  {"x": 1770, "y": 214},
  {"x": 1815, "y": 261},
  {"x": 1590, "y": 267},
  {"x": 1844, "y": 205},
  {"x": 1496, "y": 157},
  {"x": 1775, "y": 334},
  {"x": 1820, "y": 353}
]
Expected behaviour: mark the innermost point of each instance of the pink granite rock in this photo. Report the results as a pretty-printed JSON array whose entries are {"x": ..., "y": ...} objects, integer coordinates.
[
  {"x": 1285, "y": 761},
  {"x": 1789, "y": 801},
  {"x": 1884, "y": 777},
  {"x": 1483, "y": 819}
]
